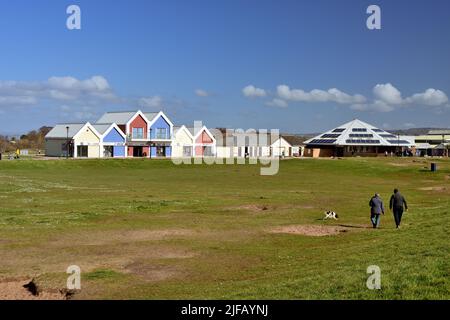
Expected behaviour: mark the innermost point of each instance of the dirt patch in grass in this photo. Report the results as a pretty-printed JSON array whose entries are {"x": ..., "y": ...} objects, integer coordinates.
[
  {"x": 437, "y": 188},
  {"x": 261, "y": 208},
  {"x": 304, "y": 206},
  {"x": 150, "y": 272},
  {"x": 310, "y": 230},
  {"x": 108, "y": 237},
  {"x": 252, "y": 207},
  {"x": 27, "y": 290},
  {"x": 396, "y": 164}
]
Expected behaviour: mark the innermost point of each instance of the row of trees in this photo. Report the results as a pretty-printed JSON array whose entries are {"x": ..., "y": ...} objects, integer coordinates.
[{"x": 34, "y": 139}]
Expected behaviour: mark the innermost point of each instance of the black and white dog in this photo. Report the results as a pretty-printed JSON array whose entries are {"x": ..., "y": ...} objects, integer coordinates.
[{"x": 330, "y": 215}]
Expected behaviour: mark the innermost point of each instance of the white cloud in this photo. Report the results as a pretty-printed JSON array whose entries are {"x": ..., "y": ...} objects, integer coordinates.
[
  {"x": 376, "y": 106},
  {"x": 277, "y": 103},
  {"x": 251, "y": 91},
  {"x": 17, "y": 100},
  {"x": 431, "y": 97},
  {"x": 201, "y": 93},
  {"x": 388, "y": 93},
  {"x": 85, "y": 114},
  {"x": 88, "y": 91},
  {"x": 387, "y": 98},
  {"x": 317, "y": 95},
  {"x": 392, "y": 96},
  {"x": 151, "y": 102}
]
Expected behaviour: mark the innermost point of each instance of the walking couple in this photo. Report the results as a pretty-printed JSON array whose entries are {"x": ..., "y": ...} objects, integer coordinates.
[{"x": 397, "y": 204}]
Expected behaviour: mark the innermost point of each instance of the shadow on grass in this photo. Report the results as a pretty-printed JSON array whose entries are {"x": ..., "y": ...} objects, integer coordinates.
[{"x": 354, "y": 226}]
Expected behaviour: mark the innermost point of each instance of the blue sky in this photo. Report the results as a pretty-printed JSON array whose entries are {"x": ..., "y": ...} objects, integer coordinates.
[{"x": 193, "y": 59}]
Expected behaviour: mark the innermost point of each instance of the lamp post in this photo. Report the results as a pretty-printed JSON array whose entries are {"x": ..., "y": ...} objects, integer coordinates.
[
  {"x": 445, "y": 153},
  {"x": 150, "y": 149},
  {"x": 279, "y": 147},
  {"x": 67, "y": 142}
]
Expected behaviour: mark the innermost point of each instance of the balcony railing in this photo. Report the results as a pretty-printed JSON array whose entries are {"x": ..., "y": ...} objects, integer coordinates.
[
  {"x": 161, "y": 136},
  {"x": 152, "y": 137}
]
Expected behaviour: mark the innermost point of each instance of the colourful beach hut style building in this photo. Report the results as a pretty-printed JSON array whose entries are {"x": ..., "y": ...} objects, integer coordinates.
[
  {"x": 147, "y": 134},
  {"x": 77, "y": 140},
  {"x": 112, "y": 142}
]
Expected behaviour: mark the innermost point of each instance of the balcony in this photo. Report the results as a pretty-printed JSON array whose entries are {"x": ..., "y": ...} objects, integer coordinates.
[
  {"x": 137, "y": 138},
  {"x": 160, "y": 134}
]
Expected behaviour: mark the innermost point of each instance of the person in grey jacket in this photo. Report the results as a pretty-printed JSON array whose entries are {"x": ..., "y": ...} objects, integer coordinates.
[
  {"x": 396, "y": 204},
  {"x": 376, "y": 209}
]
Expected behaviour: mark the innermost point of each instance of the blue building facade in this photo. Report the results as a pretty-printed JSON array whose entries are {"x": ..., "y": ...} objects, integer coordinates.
[
  {"x": 115, "y": 141},
  {"x": 160, "y": 137}
]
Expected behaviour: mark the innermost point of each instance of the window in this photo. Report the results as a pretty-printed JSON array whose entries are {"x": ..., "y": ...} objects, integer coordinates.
[
  {"x": 207, "y": 151},
  {"x": 161, "y": 133},
  {"x": 138, "y": 133},
  {"x": 187, "y": 151}
]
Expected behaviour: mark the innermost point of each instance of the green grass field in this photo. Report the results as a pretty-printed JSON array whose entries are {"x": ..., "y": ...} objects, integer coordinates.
[{"x": 153, "y": 230}]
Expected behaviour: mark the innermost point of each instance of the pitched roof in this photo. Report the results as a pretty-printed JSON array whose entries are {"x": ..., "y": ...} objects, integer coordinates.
[
  {"x": 441, "y": 132},
  {"x": 150, "y": 115},
  {"x": 357, "y": 132},
  {"x": 120, "y": 117},
  {"x": 293, "y": 140},
  {"x": 60, "y": 130},
  {"x": 193, "y": 131},
  {"x": 176, "y": 129},
  {"x": 101, "y": 128}
]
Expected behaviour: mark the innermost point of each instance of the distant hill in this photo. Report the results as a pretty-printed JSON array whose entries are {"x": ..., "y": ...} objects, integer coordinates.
[{"x": 414, "y": 131}]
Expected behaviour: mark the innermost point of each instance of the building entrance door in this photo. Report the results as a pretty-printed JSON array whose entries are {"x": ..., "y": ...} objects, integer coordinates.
[
  {"x": 82, "y": 151},
  {"x": 137, "y": 152}
]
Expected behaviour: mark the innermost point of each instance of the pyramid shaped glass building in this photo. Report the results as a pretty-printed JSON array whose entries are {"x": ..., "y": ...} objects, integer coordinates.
[{"x": 355, "y": 138}]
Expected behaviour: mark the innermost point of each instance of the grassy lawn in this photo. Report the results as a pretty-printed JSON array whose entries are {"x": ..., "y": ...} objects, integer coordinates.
[{"x": 153, "y": 230}]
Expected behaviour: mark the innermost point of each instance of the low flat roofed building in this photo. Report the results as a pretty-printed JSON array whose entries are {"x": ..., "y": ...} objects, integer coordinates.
[{"x": 435, "y": 143}]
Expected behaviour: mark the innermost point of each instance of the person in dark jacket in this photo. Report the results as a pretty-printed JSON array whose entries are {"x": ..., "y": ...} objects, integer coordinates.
[
  {"x": 376, "y": 209},
  {"x": 397, "y": 204}
]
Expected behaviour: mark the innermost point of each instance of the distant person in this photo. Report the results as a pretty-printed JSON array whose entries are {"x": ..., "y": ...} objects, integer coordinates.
[
  {"x": 386, "y": 153},
  {"x": 396, "y": 204},
  {"x": 376, "y": 210}
]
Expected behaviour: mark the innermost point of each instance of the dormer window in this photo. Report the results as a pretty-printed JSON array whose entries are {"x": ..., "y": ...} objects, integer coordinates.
[
  {"x": 138, "y": 133},
  {"x": 161, "y": 133}
]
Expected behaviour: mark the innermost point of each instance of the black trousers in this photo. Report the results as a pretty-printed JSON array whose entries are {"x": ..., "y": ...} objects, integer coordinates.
[{"x": 398, "y": 212}]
